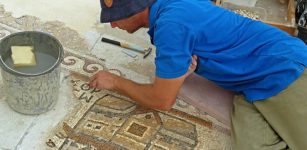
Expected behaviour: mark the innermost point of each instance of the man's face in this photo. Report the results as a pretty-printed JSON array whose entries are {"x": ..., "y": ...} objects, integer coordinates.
[
  {"x": 125, "y": 24},
  {"x": 130, "y": 24}
]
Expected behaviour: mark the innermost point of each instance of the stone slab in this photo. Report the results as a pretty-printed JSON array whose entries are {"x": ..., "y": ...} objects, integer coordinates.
[
  {"x": 13, "y": 125},
  {"x": 208, "y": 97}
]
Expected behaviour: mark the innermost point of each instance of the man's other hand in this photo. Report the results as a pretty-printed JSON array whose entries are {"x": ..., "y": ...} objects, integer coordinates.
[{"x": 192, "y": 66}]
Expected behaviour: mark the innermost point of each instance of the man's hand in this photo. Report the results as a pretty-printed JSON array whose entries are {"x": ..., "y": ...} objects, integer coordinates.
[
  {"x": 192, "y": 66},
  {"x": 103, "y": 80}
]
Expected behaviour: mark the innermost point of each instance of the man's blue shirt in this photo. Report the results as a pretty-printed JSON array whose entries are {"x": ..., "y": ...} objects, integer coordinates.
[{"x": 235, "y": 52}]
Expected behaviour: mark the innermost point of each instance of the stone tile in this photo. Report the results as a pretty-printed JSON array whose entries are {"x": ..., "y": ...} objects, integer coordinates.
[
  {"x": 13, "y": 126},
  {"x": 139, "y": 130},
  {"x": 115, "y": 103},
  {"x": 106, "y": 119},
  {"x": 91, "y": 38},
  {"x": 98, "y": 128},
  {"x": 179, "y": 127},
  {"x": 128, "y": 142}
]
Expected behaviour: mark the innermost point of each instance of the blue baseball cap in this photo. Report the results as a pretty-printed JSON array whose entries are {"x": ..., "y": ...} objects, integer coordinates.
[{"x": 113, "y": 10}]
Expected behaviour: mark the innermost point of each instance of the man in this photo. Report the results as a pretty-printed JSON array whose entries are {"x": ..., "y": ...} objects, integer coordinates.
[{"x": 262, "y": 64}]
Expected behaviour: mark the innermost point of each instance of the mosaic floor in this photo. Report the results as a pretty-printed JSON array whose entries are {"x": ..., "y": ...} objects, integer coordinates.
[{"x": 106, "y": 120}]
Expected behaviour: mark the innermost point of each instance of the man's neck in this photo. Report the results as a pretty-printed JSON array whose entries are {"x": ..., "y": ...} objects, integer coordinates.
[{"x": 145, "y": 17}]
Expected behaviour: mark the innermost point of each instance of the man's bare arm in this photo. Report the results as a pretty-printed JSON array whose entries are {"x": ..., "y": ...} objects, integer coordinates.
[{"x": 161, "y": 94}]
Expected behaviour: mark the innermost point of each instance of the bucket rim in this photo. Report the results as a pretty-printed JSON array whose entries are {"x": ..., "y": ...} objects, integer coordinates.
[{"x": 8, "y": 69}]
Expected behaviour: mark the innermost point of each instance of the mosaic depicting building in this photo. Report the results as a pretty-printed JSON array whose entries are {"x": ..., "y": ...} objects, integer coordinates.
[{"x": 107, "y": 120}]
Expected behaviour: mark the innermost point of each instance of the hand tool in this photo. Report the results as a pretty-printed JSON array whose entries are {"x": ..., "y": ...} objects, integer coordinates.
[{"x": 132, "y": 47}]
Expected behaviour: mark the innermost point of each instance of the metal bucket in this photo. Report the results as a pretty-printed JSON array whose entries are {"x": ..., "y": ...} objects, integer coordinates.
[{"x": 32, "y": 90}]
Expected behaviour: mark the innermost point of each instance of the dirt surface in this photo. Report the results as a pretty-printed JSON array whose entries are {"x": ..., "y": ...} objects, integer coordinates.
[
  {"x": 276, "y": 11},
  {"x": 69, "y": 38}
]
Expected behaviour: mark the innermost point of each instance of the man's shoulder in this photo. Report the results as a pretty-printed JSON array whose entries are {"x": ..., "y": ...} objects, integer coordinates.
[{"x": 184, "y": 11}]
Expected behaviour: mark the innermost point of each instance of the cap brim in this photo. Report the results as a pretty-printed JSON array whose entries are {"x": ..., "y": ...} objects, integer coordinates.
[{"x": 122, "y": 9}]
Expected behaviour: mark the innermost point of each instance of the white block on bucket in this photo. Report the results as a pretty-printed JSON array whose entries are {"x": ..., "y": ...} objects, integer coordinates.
[{"x": 23, "y": 56}]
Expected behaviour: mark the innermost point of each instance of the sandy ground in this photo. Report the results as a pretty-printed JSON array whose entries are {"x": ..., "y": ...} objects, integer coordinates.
[{"x": 81, "y": 15}]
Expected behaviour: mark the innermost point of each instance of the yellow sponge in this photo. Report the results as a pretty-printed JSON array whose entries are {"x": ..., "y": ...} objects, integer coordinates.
[{"x": 23, "y": 56}]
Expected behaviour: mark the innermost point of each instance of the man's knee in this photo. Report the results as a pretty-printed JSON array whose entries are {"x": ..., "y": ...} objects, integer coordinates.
[{"x": 250, "y": 130}]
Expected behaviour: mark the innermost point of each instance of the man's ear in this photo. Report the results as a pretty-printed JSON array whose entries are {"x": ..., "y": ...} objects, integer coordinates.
[{"x": 108, "y": 3}]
